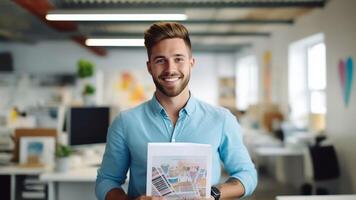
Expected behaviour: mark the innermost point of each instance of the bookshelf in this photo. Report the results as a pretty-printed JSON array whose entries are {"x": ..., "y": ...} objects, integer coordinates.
[{"x": 22, "y": 183}]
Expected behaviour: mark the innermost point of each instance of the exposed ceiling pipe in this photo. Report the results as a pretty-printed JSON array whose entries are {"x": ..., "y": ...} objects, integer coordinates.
[
  {"x": 189, "y": 4},
  {"x": 40, "y": 8}
]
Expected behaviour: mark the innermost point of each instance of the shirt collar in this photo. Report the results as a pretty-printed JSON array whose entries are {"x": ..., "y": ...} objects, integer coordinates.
[
  {"x": 190, "y": 106},
  {"x": 155, "y": 105},
  {"x": 158, "y": 108}
]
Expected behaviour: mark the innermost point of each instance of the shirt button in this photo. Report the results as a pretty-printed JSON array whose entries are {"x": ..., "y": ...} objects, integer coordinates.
[{"x": 170, "y": 125}]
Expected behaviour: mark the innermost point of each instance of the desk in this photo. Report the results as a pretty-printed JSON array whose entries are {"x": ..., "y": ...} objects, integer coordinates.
[
  {"x": 279, "y": 151},
  {"x": 289, "y": 163},
  {"x": 75, "y": 184},
  {"x": 318, "y": 197},
  {"x": 69, "y": 185}
]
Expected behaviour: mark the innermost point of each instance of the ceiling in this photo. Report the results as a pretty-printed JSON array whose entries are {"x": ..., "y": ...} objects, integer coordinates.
[{"x": 214, "y": 25}]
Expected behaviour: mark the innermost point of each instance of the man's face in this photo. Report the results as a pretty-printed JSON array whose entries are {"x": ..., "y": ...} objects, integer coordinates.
[{"x": 170, "y": 66}]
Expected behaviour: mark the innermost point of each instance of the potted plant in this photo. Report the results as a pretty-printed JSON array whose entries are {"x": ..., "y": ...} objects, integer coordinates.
[
  {"x": 88, "y": 94},
  {"x": 63, "y": 153},
  {"x": 89, "y": 89},
  {"x": 85, "y": 73},
  {"x": 85, "y": 69}
]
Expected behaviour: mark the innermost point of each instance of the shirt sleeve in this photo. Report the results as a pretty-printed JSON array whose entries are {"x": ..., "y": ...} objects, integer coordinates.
[
  {"x": 235, "y": 157},
  {"x": 116, "y": 159}
]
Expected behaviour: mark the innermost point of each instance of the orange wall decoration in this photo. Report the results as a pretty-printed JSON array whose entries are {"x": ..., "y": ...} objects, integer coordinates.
[{"x": 267, "y": 57}]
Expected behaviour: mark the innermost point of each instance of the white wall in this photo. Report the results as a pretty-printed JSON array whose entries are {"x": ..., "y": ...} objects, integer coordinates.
[
  {"x": 341, "y": 126},
  {"x": 226, "y": 64},
  {"x": 337, "y": 22},
  {"x": 62, "y": 56}
]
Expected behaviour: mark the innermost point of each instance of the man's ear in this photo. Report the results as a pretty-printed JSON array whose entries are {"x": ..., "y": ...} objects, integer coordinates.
[
  {"x": 148, "y": 64},
  {"x": 192, "y": 62}
]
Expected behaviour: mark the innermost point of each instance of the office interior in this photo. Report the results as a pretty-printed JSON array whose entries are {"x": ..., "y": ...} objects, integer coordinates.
[{"x": 283, "y": 68}]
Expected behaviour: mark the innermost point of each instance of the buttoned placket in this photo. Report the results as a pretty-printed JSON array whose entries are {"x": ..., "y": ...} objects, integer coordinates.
[{"x": 173, "y": 131}]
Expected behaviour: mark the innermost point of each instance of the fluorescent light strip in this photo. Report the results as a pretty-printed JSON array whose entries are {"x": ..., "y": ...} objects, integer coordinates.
[
  {"x": 115, "y": 42},
  {"x": 115, "y": 17}
]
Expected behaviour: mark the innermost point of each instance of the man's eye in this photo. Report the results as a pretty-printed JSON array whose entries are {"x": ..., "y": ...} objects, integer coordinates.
[
  {"x": 179, "y": 59},
  {"x": 159, "y": 61}
]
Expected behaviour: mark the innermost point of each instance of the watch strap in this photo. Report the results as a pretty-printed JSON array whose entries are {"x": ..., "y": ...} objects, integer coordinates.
[{"x": 215, "y": 193}]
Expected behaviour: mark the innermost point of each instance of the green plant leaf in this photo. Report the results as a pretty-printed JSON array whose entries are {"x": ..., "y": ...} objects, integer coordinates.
[
  {"x": 85, "y": 68},
  {"x": 89, "y": 89},
  {"x": 63, "y": 151}
]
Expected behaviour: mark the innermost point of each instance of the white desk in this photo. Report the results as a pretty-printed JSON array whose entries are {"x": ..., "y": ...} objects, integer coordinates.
[
  {"x": 16, "y": 170},
  {"x": 78, "y": 183},
  {"x": 289, "y": 163},
  {"x": 84, "y": 174},
  {"x": 279, "y": 151},
  {"x": 318, "y": 197},
  {"x": 68, "y": 185}
]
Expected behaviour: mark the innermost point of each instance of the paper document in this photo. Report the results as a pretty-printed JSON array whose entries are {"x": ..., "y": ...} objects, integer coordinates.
[{"x": 179, "y": 170}]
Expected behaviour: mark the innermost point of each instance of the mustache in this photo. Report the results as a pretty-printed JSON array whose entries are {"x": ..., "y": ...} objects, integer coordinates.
[{"x": 171, "y": 75}]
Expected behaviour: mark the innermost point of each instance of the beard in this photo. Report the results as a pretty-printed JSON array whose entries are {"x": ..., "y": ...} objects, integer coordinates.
[{"x": 172, "y": 92}]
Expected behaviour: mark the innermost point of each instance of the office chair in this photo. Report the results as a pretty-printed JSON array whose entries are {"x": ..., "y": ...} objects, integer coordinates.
[{"x": 325, "y": 167}]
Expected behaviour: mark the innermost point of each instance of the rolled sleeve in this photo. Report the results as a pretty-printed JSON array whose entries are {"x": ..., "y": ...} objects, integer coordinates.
[
  {"x": 235, "y": 157},
  {"x": 248, "y": 180},
  {"x": 103, "y": 187},
  {"x": 116, "y": 159}
]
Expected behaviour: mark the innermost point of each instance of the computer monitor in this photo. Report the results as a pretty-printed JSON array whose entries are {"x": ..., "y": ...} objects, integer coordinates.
[
  {"x": 87, "y": 125},
  {"x": 6, "y": 62}
]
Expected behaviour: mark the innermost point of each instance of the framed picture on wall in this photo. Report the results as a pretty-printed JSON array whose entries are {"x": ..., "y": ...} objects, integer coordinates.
[{"x": 37, "y": 151}]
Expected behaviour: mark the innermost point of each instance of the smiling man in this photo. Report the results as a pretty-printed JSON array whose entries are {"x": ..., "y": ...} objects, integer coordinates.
[{"x": 172, "y": 115}]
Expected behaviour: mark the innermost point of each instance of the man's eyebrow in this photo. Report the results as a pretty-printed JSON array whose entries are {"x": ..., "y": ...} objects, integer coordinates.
[
  {"x": 154, "y": 58},
  {"x": 179, "y": 55}
]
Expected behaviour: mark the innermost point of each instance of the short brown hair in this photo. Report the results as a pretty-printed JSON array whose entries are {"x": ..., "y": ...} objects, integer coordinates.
[{"x": 164, "y": 30}]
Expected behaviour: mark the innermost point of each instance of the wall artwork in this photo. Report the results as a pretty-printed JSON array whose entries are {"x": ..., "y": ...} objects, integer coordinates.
[
  {"x": 37, "y": 151},
  {"x": 227, "y": 97},
  {"x": 267, "y": 59},
  {"x": 128, "y": 88},
  {"x": 346, "y": 75}
]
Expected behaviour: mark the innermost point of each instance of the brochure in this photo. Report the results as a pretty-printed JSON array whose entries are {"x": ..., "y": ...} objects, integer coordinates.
[{"x": 179, "y": 170}]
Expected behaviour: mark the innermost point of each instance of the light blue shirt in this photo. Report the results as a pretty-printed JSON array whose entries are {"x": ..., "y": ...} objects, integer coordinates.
[{"x": 198, "y": 122}]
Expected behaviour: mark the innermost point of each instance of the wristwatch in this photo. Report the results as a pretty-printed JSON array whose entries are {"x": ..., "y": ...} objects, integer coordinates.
[{"x": 215, "y": 192}]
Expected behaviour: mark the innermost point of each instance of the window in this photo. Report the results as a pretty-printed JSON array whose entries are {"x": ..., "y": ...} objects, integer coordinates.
[
  {"x": 317, "y": 78},
  {"x": 307, "y": 82},
  {"x": 246, "y": 82}
]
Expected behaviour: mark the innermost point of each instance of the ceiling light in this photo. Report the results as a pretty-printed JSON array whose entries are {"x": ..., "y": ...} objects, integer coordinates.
[
  {"x": 115, "y": 17},
  {"x": 115, "y": 42}
]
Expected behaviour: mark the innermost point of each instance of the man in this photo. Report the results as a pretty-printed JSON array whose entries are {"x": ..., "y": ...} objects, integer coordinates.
[{"x": 172, "y": 115}]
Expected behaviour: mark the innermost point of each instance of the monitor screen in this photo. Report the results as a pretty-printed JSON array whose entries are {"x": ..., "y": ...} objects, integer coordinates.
[
  {"x": 87, "y": 125},
  {"x": 6, "y": 64}
]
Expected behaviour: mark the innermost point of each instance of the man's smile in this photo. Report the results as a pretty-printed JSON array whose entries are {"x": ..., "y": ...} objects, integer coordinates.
[{"x": 170, "y": 79}]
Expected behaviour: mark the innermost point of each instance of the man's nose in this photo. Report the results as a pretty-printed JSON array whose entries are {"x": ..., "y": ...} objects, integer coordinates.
[{"x": 171, "y": 65}]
